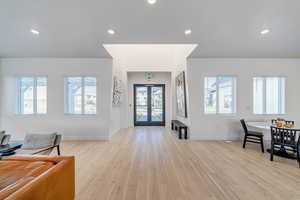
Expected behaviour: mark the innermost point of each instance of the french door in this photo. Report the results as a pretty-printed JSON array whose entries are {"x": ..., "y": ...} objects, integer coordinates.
[{"x": 149, "y": 105}]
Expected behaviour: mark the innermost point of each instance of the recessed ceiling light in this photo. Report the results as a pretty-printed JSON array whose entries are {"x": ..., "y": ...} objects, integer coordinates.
[
  {"x": 152, "y": 1},
  {"x": 111, "y": 31},
  {"x": 35, "y": 32},
  {"x": 188, "y": 32},
  {"x": 265, "y": 31}
]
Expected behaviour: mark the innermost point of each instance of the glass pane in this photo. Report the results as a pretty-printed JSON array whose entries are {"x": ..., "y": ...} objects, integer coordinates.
[
  {"x": 141, "y": 104},
  {"x": 26, "y": 97},
  {"x": 274, "y": 95},
  {"x": 210, "y": 95},
  {"x": 157, "y": 104},
  {"x": 226, "y": 85},
  {"x": 74, "y": 95},
  {"x": 258, "y": 95},
  {"x": 41, "y": 95},
  {"x": 282, "y": 96},
  {"x": 90, "y": 95}
]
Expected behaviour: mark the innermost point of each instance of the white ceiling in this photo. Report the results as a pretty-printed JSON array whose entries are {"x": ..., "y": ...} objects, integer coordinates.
[{"x": 221, "y": 28}]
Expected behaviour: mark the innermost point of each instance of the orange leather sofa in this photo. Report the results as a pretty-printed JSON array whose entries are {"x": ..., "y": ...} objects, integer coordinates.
[{"x": 37, "y": 178}]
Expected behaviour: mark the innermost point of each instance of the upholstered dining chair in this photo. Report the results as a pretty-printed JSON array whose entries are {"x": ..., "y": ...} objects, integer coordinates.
[
  {"x": 252, "y": 136},
  {"x": 4, "y": 138},
  {"x": 42, "y": 144}
]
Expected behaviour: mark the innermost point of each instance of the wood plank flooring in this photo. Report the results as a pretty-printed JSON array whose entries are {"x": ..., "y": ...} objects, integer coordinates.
[{"x": 151, "y": 164}]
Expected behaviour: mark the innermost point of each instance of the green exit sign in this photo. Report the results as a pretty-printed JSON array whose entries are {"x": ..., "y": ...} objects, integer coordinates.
[{"x": 149, "y": 75}]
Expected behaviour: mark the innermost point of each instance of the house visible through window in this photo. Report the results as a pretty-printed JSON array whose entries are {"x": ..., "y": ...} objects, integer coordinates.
[
  {"x": 220, "y": 95},
  {"x": 32, "y": 95},
  {"x": 269, "y": 95},
  {"x": 80, "y": 95}
]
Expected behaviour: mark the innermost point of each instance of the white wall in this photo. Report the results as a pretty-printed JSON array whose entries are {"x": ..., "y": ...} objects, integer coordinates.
[
  {"x": 158, "y": 78},
  {"x": 72, "y": 127},
  {"x": 220, "y": 127}
]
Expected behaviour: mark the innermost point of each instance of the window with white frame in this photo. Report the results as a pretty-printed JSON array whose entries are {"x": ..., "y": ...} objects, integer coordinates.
[
  {"x": 220, "y": 95},
  {"x": 81, "y": 95},
  {"x": 269, "y": 95},
  {"x": 32, "y": 95}
]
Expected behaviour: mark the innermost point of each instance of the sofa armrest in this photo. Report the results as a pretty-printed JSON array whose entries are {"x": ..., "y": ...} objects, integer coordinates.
[{"x": 57, "y": 183}]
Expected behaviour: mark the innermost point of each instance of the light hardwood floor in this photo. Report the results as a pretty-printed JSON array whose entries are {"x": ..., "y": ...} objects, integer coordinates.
[{"x": 149, "y": 163}]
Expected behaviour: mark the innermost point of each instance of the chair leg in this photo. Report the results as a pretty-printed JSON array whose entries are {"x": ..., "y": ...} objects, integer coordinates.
[
  {"x": 298, "y": 156},
  {"x": 180, "y": 133},
  {"x": 244, "y": 143},
  {"x": 262, "y": 144},
  {"x": 58, "y": 150},
  {"x": 272, "y": 152}
]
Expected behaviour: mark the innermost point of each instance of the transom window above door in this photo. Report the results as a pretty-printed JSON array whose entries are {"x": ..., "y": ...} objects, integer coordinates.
[
  {"x": 81, "y": 95},
  {"x": 269, "y": 95},
  {"x": 220, "y": 95}
]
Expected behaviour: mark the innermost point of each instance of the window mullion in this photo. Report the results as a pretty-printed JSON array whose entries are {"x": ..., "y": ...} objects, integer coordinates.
[
  {"x": 82, "y": 93},
  {"x": 34, "y": 95},
  {"x": 20, "y": 96},
  {"x": 233, "y": 91},
  {"x": 280, "y": 93},
  {"x": 264, "y": 95},
  {"x": 217, "y": 95}
]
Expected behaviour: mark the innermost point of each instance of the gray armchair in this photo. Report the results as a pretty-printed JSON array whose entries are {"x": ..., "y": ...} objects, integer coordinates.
[
  {"x": 4, "y": 138},
  {"x": 42, "y": 144}
]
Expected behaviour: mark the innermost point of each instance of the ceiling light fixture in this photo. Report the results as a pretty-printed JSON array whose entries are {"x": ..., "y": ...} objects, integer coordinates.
[
  {"x": 265, "y": 31},
  {"x": 35, "y": 32},
  {"x": 152, "y": 2},
  {"x": 188, "y": 32},
  {"x": 111, "y": 31}
]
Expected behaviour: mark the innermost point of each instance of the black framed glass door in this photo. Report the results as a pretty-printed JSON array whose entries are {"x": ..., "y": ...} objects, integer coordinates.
[{"x": 149, "y": 105}]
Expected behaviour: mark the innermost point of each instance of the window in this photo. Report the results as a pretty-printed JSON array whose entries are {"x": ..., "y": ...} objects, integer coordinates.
[
  {"x": 81, "y": 95},
  {"x": 32, "y": 95},
  {"x": 220, "y": 95},
  {"x": 269, "y": 95}
]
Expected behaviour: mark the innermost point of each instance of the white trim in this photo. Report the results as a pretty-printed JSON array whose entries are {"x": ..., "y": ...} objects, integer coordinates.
[
  {"x": 19, "y": 106},
  {"x": 281, "y": 100},
  {"x": 66, "y": 96},
  {"x": 234, "y": 95}
]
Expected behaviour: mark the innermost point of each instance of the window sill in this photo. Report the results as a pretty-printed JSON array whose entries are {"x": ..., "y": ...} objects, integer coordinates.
[
  {"x": 221, "y": 114},
  {"x": 269, "y": 114},
  {"x": 29, "y": 115},
  {"x": 80, "y": 115}
]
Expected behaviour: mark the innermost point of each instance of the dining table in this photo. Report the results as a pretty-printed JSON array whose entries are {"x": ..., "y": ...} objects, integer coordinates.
[{"x": 265, "y": 127}]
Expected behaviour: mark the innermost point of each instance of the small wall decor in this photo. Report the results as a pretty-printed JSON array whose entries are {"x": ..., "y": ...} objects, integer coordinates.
[
  {"x": 117, "y": 91},
  {"x": 181, "y": 95}
]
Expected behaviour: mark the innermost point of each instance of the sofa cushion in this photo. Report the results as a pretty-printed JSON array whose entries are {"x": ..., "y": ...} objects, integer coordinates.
[
  {"x": 12, "y": 171},
  {"x": 38, "y": 141},
  {"x": 4, "y": 193}
]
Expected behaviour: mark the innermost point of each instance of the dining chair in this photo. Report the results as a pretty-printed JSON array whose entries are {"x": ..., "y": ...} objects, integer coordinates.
[
  {"x": 252, "y": 136},
  {"x": 298, "y": 151},
  {"x": 40, "y": 144},
  {"x": 284, "y": 139}
]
